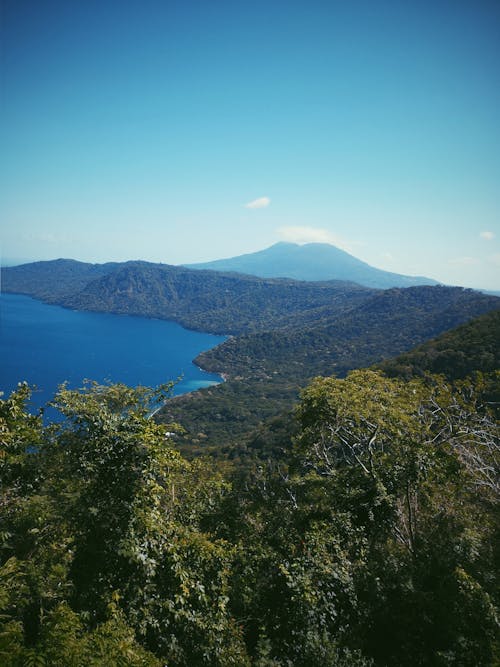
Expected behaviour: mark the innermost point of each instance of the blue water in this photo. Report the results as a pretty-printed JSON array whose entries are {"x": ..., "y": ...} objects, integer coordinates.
[{"x": 47, "y": 345}]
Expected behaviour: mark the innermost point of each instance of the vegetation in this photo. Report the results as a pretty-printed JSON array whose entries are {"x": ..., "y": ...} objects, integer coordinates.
[
  {"x": 284, "y": 333},
  {"x": 206, "y": 300},
  {"x": 51, "y": 281},
  {"x": 220, "y": 421},
  {"x": 371, "y": 541},
  {"x": 237, "y": 304},
  {"x": 359, "y": 528},
  {"x": 473, "y": 346},
  {"x": 273, "y": 366},
  {"x": 388, "y": 323}
]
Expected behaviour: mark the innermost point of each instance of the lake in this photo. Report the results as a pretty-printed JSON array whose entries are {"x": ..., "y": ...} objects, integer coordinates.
[{"x": 47, "y": 345}]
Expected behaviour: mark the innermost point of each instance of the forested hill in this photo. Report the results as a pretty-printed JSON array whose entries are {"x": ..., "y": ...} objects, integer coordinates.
[
  {"x": 50, "y": 281},
  {"x": 291, "y": 328},
  {"x": 384, "y": 325},
  {"x": 205, "y": 300},
  {"x": 273, "y": 366},
  {"x": 214, "y": 302},
  {"x": 473, "y": 346},
  {"x": 361, "y": 531}
]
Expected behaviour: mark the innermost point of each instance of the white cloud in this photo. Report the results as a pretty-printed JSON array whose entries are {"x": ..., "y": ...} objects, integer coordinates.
[
  {"x": 312, "y": 235},
  {"x": 487, "y": 236},
  {"x": 262, "y": 202},
  {"x": 463, "y": 261}
]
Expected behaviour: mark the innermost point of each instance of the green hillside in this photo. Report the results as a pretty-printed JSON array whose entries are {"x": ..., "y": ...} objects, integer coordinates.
[
  {"x": 272, "y": 367},
  {"x": 348, "y": 521},
  {"x": 474, "y": 346},
  {"x": 205, "y": 300},
  {"x": 52, "y": 280},
  {"x": 382, "y": 326},
  {"x": 284, "y": 332}
]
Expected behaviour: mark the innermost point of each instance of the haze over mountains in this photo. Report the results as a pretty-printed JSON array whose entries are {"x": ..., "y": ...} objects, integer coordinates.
[{"x": 312, "y": 261}]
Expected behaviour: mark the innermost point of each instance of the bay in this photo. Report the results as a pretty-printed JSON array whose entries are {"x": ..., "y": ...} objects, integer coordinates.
[{"x": 46, "y": 345}]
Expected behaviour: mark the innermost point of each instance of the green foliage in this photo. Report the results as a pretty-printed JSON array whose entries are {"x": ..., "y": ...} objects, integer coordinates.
[
  {"x": 393, "y": 455},
  {"x": 222, "y": 422},
  {"x": 285, "y": 332},
  {"x": 206, "y": 300},
  {"x": 272, "y": 366},
  {"x": 474, "y": 346},
  {"x": 115, "y": 523},
  {"x": 334, "y": 342},
  {"x": 369, "y": 541},
  {"x": 18, "y": 430}
]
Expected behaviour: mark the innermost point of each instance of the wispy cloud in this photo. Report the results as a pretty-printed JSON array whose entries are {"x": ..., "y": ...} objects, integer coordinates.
[
  {"x": 262, "y": 202},
  {"x": 487, "y": 236},
  {"x": 312, "y": 235},
  {"x": 463, "y": 261}
]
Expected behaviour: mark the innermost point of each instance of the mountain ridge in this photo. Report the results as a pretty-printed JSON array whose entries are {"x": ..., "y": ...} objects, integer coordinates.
[
  {"x": 214, "y": 302},
  {"x": 311, "y": 262}
]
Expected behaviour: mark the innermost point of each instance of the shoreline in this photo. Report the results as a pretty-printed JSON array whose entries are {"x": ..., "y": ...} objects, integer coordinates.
[
  {"x": 224, "y": 378},
  {"x": 191, "y": 374}
]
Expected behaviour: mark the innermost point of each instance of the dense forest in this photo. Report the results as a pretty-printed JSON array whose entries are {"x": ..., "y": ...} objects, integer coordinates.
[
  {"x": 210, "y": 301},
  {"x": 273, "y": 366},
  {"x": 372, "y": 541},
  {"x": 230, "y": 303}
]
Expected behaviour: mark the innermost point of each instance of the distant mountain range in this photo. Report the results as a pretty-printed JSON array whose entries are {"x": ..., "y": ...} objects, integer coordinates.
[{"x": 312, "y": 261}]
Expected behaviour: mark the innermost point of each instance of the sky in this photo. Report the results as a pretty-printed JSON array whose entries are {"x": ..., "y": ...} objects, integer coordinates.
[{"x": 188, "y": 131}]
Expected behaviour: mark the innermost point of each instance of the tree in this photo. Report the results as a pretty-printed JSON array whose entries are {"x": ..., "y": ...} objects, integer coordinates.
[
  {"x": 395, "y": 456},
  {"x": 121, "y": 557}
]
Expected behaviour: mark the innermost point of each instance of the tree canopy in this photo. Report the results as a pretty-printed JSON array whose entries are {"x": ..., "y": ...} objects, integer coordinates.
[{"x": 372, "y": 542}]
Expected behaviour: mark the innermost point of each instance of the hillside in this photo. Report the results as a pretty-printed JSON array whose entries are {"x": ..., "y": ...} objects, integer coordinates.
[
  {"x": 204, "y": 300},
  {"x": 52, "y": 280},
  {"x": 272, "y": 367},
  {"x": 213, "y": 302},
  {"x": 473, "y": 346},
  {"x": 312, "y": 261},
  {"x": 384, "y": 325}
]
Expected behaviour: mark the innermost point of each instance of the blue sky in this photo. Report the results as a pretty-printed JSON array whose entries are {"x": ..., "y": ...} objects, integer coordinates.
[{"x": 149, "y": 129}]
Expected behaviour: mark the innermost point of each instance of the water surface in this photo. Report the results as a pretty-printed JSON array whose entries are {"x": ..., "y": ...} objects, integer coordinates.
[{"x": 47, "y": 345}]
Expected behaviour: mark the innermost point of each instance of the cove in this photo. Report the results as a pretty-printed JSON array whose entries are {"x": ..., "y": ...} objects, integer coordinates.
[{"x": 47, "y": 345}]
